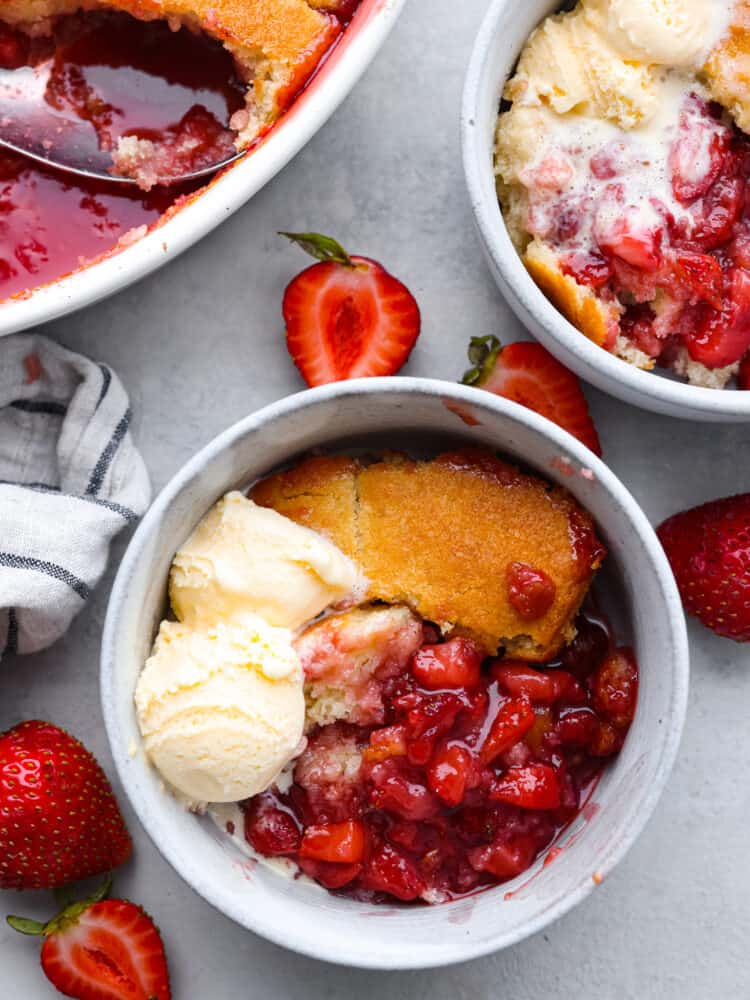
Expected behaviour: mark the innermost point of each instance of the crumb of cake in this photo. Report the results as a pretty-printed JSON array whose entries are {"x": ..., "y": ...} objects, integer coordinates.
[
  {"x": 726, "y": 71},
  {"x": 627, "y": 350},
  {"x": 346, "y": 657},
  {"x": 698, "y": 374}
]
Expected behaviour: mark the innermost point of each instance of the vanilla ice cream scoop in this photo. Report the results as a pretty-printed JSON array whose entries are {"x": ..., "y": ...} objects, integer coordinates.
[
  {"x": 244, "y": 558},
  {"x": 221, "y": 710},
  {"x": 570, "y": 66},
  {"x": 664, "y": 32}
]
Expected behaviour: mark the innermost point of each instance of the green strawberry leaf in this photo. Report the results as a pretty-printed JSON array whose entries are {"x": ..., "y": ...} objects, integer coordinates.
[
  {"x": 25, "y": 926},
  {"x": 483, "y": 353},
  {"x": 70, "y": 911},
  {"x": 320, "y": 247}
]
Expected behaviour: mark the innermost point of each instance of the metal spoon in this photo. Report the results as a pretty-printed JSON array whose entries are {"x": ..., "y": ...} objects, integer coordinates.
[{"x": 34, "y": 129}]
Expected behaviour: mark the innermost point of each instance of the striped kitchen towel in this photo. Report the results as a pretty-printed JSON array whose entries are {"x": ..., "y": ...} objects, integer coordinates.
[{"x": 70, "y": 479}]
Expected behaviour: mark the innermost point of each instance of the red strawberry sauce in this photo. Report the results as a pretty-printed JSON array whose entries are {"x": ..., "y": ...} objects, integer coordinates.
[
  {"x": 479, "y": 765},
  {"x": 698, "y": 255},
  {"x": 126, "y": 77}
]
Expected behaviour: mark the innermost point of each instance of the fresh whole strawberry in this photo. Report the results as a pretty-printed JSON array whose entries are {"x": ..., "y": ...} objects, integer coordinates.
[
  {"x": 59, "y": 820},
  {"x": 101, "y": 949},
  {"x": 346, "y": 316},
  {"x": 526, "y": 373},
  {"x": 709, "y": 550}
]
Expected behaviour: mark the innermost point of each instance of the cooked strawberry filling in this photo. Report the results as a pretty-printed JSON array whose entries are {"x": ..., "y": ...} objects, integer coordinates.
[
  {"x": 680, "y": 271},
  {"x": 476, "y": 767},
  {"x": 160, "y": 99}
]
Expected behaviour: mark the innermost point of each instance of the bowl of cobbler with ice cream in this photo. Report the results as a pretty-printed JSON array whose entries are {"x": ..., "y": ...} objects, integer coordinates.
[
  {"x": 391, "y": 688},
  {"x": 606, "y": 149}
]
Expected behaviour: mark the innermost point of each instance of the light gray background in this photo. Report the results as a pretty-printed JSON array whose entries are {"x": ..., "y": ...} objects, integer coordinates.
[{"x": 199, "y": 345}]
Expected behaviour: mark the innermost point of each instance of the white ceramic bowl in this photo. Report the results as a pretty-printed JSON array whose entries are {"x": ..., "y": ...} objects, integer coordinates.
[
  {"x": 336, "y": 77},
  {"x": 408, "y": 413},
  {"x": 504, "y": 31}
]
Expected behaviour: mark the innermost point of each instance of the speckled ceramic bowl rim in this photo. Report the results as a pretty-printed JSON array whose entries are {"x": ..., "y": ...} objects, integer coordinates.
[
  {"x": 336, "y": 78},
  {"x": 598, "y": 366},
  {"x": 654, "y": 561}
]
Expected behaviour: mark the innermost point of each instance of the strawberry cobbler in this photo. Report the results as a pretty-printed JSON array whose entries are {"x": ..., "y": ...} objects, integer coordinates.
[
  {"x": 389, "y": 675},
  {"x": 622, "y": 163}
]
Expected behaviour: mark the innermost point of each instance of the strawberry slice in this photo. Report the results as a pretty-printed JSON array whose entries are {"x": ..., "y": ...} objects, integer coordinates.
[
  {"x": 722, "y": 337},
  {"x": 532, "y": 787},
  {"x": 452, "y": 664},
  {"x": 449, "y": 773},
  {"x": 541, "y": 687},
  {"x": 526, "y": 373},
  {"x": 743, "y": 376},
  {"x": 388, "y": 870},
  {"x": 99, "y": 948},
  {"x": 514, "y": 719},
  {"x": 340, "y": 842},
  {"x": 531, "y": 592},
  {"x": 502, "y": 859},
  {"x": 697, "y": 277},
  {"x": 697, "y": 156},
  {"x": 632, "y": 233},
  {"x": 346, "y": 316},
  {"x": 716, "y": 214}
]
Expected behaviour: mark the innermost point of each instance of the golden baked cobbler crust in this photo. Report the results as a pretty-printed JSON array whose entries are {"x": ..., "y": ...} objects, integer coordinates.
[
  {"x": 727, "y": 72},
  {"x": 599, "y": 320},
  {"x": 440, "y": 535}
]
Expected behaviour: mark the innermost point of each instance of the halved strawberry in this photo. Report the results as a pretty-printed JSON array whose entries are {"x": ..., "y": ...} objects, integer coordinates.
[
  {"x": 99, "y": 948},
  {"x": 346, "y": 316},
  {"x": 526, "y": 373}
]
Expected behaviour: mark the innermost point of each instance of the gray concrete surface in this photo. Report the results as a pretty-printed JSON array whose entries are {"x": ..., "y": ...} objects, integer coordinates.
[{"x": 199, "y": 345}]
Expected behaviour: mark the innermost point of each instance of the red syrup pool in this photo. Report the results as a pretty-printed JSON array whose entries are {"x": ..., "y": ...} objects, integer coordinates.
[
  {"x": 476, "y": 768},
  {"x": 127, "y": 77}
]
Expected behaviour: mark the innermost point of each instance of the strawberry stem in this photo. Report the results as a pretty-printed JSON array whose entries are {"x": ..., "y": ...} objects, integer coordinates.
[
  {"x": 483, "y": 353},
  {"x": 321, "y": 247},
  {"x": 69, "y": 913}
]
